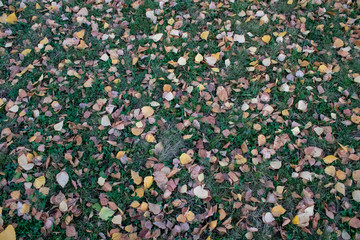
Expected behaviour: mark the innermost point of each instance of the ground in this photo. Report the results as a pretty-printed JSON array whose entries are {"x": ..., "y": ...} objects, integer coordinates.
[{"x": 179, "y": 119}]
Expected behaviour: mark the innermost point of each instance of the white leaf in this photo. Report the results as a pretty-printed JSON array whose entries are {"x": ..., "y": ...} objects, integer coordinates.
[
  {"x": 62, "y": 178},
  {"x": 266, "y": 62},
  {"x": 302, "y": 106},
  {"x": 156, "y": 37},
  {"x": 200, "y": 192},
  {"x": 105, "y": 121},
  {"x": 104, "y": 57},
  {"x": 182, "y": 61},
  {"x": 239, "y": 38},
  {"x": 227, "y": 62},
  {"x": 23, "y": 162},
  {"x": 59, "y": 126}
]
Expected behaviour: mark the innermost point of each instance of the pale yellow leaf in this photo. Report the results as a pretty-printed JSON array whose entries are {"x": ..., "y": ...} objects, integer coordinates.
[
  {"x": 204, "y": 35},
  {"x": 185, "y": 158},
  {"x": 39, "y": 182},
  {"x": 8, "y": 233},
  {"x": 277, "y": 211}
]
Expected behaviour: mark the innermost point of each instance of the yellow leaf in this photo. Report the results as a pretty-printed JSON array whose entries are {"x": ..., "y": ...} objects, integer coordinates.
[
  {"x": 139, "y": 192},
  {"x": 295, "y": 220},
  {"x": 290, "y": 2},
  {"x": 150, "y": 138},
  {"x": 190, "y": 216},
  {"x": 198, "y": 58},
  {"x": 282, "y": 34},
  {"x": 11, "y": 18},
  {"x": 144, "y": 206},
  {"x": 80, "y": 34},
  {"x": 120, "y": 154},
  {"x": 204, "y": 35},
  {"x": 322, "y": 68},
  {"x": 329, "y": 159},
  {"x": 213, "y": 224},
  {"x": 82, "y": 45},
  {"x": 135, "y": 204},
  {"x": 8, "y": 233},
  {"x": 39, "y": 182},
  {"x": 148, "y": 181},
  {"x": 171, "y": 21},
  {"x": 44, "y": 41},
  {"x": 37, "y": 6},
  {"x": 185, "y": 158},
  {"x": 215, "y": 70},
  {"x": 147, "y": 111},
  {"x": 26, "y": 52},
  {"x": 25, "y": 208},
  {"x": 277, "y": 211},
  {"x": 266, "y": 38}
]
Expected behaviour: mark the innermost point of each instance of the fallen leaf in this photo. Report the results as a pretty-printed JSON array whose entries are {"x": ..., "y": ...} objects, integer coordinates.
[
  {"x": 58, "y": 127},
  {"x": 338, "y": 43},
  {"x": 148, "y": 181},
  {"x": 354, "y": 222},
  {"x": 302, "y": 105},
  {"x": 117, "y": 220},
  {"x": 135, "y": 176},
  {"x": 105, "y": 213},
  {"x": 105, "y": 121},
  {"x": 185, "y": 159},
  {"x": 340, "y": 187},
  {"x": 156, "y": 37},
  {"x": 200, "y": 192},
  {"x": 62, "y": 178},
  {"x": 239, "y": 38},
  {"x": 277, "y": 211},
  {"x": 181, "y": 61},
  {"x": 104, "y": 57},
  {"x": 8, "y": 234},
  {"x": 222, "y": 93},
  {"x": 329, "y": 159},
  {"x": 198, "y": 58},
  {"x": 268, "y": 218},
  {"x": 266, "y": 38},
  {"x": 147, "y": 111},
  {"x": 356, "y": 195},
  {"x": 204, "y": 35},
  {"x": 11, "y": 18},
  {"x": 24, "y": 163},
  {"x": 25, "y": 52},
  {"x": 39, "y": 182}
]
